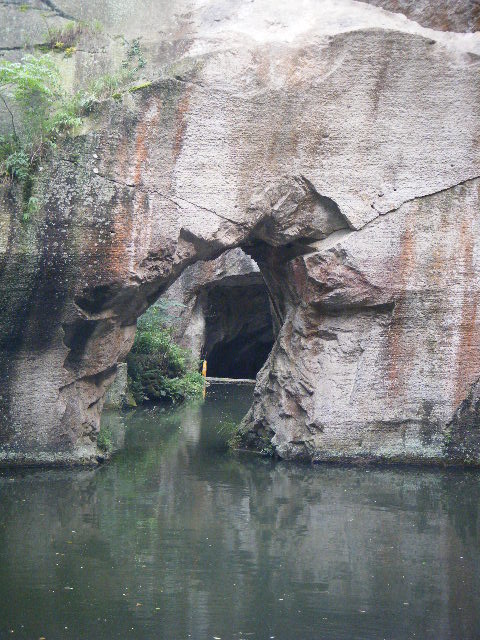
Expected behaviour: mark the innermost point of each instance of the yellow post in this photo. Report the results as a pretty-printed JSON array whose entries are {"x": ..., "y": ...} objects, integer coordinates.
[{"x": 204, "y": 374}]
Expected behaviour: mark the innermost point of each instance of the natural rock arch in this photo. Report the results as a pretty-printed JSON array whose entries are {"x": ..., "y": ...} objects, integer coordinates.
[{"x": 339, "y": 161}]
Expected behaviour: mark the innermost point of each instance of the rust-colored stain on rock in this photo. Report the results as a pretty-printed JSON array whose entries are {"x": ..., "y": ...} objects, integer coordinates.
[
  {"x": 299, "y": 277},
  {"x": 181, "y": 123},
  {"x": 126, "y": 209},
  {"x": 146, "y": 126},
  {"x": 468, "y": 353},
  {"x": 397, "y": 344}
]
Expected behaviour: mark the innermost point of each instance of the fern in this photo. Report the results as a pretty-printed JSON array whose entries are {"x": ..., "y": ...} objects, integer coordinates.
[
  {"x": 33, "y": 87},
  {"x": 40, "y": 110}
]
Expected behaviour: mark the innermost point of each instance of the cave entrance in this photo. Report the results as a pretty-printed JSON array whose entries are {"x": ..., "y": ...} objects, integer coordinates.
[
  {"x": 238, "y": 328},
  {"x": 220, "y": 311}
]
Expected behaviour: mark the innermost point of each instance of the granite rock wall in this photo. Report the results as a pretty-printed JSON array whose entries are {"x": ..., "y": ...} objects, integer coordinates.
[{"x": 338, "y": 145}]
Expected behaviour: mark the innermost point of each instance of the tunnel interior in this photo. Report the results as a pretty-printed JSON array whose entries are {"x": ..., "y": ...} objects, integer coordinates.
[{"x": 238, "y": 329}]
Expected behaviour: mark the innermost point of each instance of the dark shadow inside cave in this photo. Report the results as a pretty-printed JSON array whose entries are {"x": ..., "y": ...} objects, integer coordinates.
[{"x": 238, "y": 329}]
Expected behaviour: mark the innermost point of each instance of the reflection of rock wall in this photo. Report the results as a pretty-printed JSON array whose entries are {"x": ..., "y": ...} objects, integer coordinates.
[
  {"x": 220, "y": 311},
  {"x": 344, "y": 545},
  {"x": 338, "y": 145}
]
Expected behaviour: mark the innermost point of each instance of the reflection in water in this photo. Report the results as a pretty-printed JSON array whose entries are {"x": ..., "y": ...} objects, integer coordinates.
[{"x": 177, "y": 538}]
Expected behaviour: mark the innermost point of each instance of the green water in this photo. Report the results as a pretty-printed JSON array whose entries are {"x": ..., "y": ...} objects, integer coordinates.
[{"x": 176, "y": 538}]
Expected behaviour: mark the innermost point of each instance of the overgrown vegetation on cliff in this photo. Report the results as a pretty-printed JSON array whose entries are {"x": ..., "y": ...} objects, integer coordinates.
[
  {"x": 65, "y": 38},
  {"x": 158, "y": 368},
  {"x": 39, "y": 110}
]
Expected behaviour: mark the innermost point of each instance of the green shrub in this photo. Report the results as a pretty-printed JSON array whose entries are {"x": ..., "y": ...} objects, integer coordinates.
[
  {"x": 105, "y": 439},
  {"x": 43, "y": 108},
  {"x": 17, "y": 165},
  {"x": 31, "y": 206},
  {"x": 158, "y": 368},
  {"x": 66, "y": 36},
  {"x": 39, "y": 110},
  {"x": 190, "y": 385}
]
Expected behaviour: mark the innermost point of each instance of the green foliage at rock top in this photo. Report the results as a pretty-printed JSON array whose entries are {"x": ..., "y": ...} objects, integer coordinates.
[{"x": 39, "y": 109}]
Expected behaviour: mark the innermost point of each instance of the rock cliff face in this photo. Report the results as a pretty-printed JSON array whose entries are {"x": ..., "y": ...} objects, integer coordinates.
[
  {"x": 339, "y": 146},
  {"x": 445, "y": 15},
  {"x": 116, "y": 396}
]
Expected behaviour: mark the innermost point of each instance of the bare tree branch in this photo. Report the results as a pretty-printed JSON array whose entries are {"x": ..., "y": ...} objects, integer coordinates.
[{"x": 11, "y": 116}]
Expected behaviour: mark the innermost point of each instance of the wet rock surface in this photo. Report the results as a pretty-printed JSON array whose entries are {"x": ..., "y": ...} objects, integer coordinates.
[{"x": 338, "y": 146}]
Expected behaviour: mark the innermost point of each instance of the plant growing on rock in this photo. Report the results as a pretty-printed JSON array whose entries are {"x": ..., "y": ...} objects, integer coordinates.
[
  {"x": 157, "y": 367},
  {"x": 39, "y": 110},
  {"x": 66, "y": 36},
  {"x": 38, "y": 107},
  {"x": 229, "y": 431},
  {"x": 105, "y": 439}
]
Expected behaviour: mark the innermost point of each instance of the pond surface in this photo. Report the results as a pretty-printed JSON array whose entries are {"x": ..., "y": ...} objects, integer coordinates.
[{"x": 176, "y": 538}]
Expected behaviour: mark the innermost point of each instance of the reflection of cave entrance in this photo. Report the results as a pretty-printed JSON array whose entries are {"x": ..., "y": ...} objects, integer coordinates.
[{"x": 238, "y": 329}]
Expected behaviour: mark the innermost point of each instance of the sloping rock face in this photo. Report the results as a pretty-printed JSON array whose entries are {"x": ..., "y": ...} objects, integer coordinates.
[
  {"x": 445, "y": 15},
  {"x": 365, "y": 360},
  {"x": 339, "y": 146},
  {"x": 220, "y": 311}
]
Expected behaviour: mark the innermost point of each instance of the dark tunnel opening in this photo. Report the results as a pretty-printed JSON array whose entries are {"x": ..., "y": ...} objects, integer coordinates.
[{"x": 238, "y": 329}]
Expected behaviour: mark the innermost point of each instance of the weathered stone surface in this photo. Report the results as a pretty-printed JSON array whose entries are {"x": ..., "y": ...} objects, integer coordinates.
[
  {"x": 338, "y": 145},
  {"x": 18, "y": 28},
  {"x": 379, "y": 344},
  {"x": 445, "y": 15},
  {"x": 117, "y": 392}
]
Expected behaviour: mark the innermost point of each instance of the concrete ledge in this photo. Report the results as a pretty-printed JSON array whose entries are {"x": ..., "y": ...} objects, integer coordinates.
[
  {"x": 85, "y": 457},
  {"x": 230, "y": 381}
]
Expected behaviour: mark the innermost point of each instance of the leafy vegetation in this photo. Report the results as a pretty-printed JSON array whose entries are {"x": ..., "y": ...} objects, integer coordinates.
[
  {"x": 158, "y": 368},
  {"x": 45, "y": 111},
  {"x": 66, "y": 37},
  {"x": 105, "y": 439},
  {"x": 39, "y": 109},
  {"x": 229, "y": 430}
]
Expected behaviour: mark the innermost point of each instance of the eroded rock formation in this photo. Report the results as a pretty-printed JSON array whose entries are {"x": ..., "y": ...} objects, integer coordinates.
[{"x": 338, "y": 145}]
